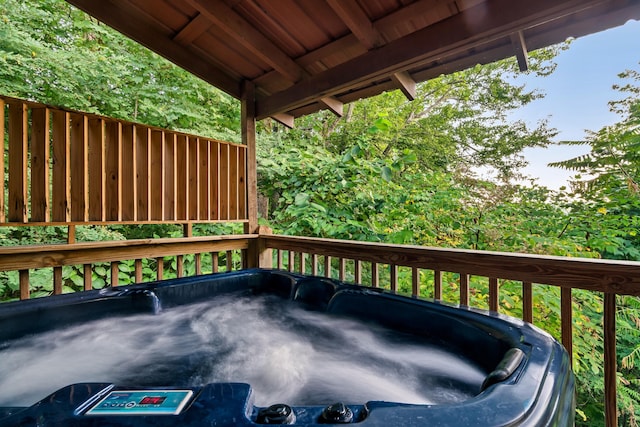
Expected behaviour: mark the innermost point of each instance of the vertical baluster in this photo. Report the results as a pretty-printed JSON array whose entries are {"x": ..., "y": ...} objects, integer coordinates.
[
  {"x": 303, "y": 263},
  {"x": 464, "y": 289},
  {"x": 229, "y": 260},
  {"x": 114, "y": 273},
  {"x": 138, "y": 270},
  {"x": 96, "y": 170},
  {"x": 374, "y": 275},
  {"x": 291, "y": 261},
  {"x": 493, "y": 294},
  {"x": 61, "y": 173},
  {"x": 415, "y": 282},
  {"x": 393, "y": 278},
  {"x": 527, "y": 302},
  {"x": 87, "y": 277},
  {"x": 342, "y": 272},
  {"x": 198, "y": 261},
  {"x": 23, "y": 279},
  {"x": 437, "y": 284},
  {"x": 314, "y": 264},
  {"x": 357, "y": 271},
  {"x": 159, "y": 268},
  {"x": 214, "y": 262},
  {"x": 279, "y": 262},
  {"x": 180, "y": 265},
  {"x": 610, "y": 361},
  {"x": 327, "y": 266},
  {"x": 566, "y": 317},
  {"x": 113, "y": 170},
  {"x": 57, "y": 280}
]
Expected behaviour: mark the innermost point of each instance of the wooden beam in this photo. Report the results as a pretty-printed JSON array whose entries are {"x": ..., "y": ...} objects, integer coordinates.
[
  {"x": 358, "y": 22},
  {"x": 454, "y": 35},
  {"x": 334, "y": 105},
  {"x": 194, "y": 29},
  {"x": 118, "y": 15},
  {"x": 248, "y": 123},
  {"x": 251, "y": 39},
  {"x": 284, "y": 119},
  {"x": 406, "y": 84},
  {"x": 518, "y": 42}
]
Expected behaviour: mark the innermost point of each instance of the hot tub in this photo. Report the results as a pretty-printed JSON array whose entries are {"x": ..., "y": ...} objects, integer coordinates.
[{"x": 262, "y": 347}]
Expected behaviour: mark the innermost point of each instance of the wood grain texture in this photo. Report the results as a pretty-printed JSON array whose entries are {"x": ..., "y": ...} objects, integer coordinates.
[{"x": 40, "y": 164}]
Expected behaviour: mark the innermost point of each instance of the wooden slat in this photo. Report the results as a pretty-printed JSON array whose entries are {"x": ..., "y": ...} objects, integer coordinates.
[
  {"x": 314, "y": 264},
  {"x": 23, "y": 282},
  {"x": 224, "y": 181},
  {"x": 214, "y": 185},
  {"x": 198, "y": 262},
  {"x": 357, "y": 273},
  {"x": 113, "y": 168},
  {"x": 137, "y": 269},
  {"x": 437, "y": 284},
  {"x": 61, "y": 170},
  {"x": 79, "y": 154},
  {"x": 87, "y": 277},
  {"x": 279, "y": 261},
  {"x": 204, "y": 179},
  {"x": 393, "y": 278},
  {"x": 415, "y": 282},
  {"x": 193, "y": 179},
  {"x": 302, "y": 263},
  {"x": 170, "y": 179},
  {"x": 159, "y": 268},
  {"x": 290, "y": 261},
  {"x": 342, "y": 269},
  {"x": 3, "y": 215},
  {"x": 374, "y": 275},
  {"x": 610, "y": 361},
  {"x": 182, "y": 177},
  {"x": 464, "y": 289},
  {"x": 214, "y": 262},
  {"x": 18, "y": 152},
  {"x": 179, "y": 265},
  {"x": 157, "y": 175},
  {"x": 96, "y": 170},
  {"x": 129, "y": 205},
  {"x": 229, "y": 260},
  {"x": 242, "y": 188},
  {"x": 114, "y": 273},
  {"x": 40, "y": 152},
  {"x": 143, "y": 176},
  {"x": 527, "y": 302},
  {"x": 494, "y": 294},
  {"x": 233, "y": 182},
  {"x": 327, "y": 266},
  {"x": 57, "y": 280},
  {"x": 566, "y": 317}
]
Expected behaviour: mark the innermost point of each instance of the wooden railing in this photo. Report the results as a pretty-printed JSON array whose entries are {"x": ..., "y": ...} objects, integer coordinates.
[
  {"x": 331, "y": 258},
  {"x": 230, "y": 251},
  {"x": 68, "y": 167}
]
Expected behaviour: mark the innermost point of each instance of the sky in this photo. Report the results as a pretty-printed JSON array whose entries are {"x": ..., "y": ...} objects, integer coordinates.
[{"x": 577, "y": 95}]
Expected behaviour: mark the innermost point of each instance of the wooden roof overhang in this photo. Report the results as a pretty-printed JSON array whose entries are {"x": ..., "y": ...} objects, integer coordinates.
[{"x": 303, "y": 56}]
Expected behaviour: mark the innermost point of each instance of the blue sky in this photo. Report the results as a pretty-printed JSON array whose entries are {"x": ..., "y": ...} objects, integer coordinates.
[{"x": 577, "y": 94}]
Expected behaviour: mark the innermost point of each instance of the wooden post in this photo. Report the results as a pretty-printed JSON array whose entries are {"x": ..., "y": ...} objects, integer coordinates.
[
  {"x": 248, "y": 124},
  {"x": 494, "y": 294},
  {"x": 610, "y": 363}
]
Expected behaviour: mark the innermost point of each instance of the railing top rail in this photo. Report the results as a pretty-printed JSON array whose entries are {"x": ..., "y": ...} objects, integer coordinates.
[{"x": 620, "y": 277}]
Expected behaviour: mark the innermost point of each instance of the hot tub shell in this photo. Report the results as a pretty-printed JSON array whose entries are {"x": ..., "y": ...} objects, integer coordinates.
[{"x": 529, "y": 378}]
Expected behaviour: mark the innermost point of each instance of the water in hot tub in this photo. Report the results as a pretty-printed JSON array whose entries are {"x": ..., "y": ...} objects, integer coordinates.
[{"x": 287, "y": 354}]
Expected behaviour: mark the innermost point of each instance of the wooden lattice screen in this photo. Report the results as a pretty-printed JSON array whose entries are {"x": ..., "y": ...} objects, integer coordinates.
[{"x": 67, "y": 167}]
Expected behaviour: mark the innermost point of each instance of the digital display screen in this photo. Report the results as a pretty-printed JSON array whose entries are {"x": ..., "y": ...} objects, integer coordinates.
[{"x": 142, "y": 402}]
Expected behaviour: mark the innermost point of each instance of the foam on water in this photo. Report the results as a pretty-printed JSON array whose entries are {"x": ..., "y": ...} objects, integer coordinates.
[{"x": 287, "y": 355}]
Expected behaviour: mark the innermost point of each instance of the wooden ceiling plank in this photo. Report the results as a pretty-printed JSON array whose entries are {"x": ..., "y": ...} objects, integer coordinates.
[
  {"x": 406, "y": 84},
  {"x": 501, "y": 18},
  {"x": 358, "y": 22},
  {"x": 518, "y": 42},
  {"x": 194, "y": 29},
  {"x": 284, "y": 119},
  {"x": 143, "y": 29},
  {"x": 334, "y": 105},
  {"x": 251, "y": 39}
]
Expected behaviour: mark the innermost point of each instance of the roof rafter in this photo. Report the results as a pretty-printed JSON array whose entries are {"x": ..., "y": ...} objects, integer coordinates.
[
  {"x": 251, "y": 39},
  {"x": 116, "y": 15},
  {"x": 458, "y": 33},
  {"x": 406, "y": 84},
  {"x": 358, "y": 22},
  {"x": 517, "y": 39}
]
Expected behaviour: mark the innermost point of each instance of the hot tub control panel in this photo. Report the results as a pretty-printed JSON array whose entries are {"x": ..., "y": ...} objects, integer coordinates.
[{"x": 141, "y": 402}]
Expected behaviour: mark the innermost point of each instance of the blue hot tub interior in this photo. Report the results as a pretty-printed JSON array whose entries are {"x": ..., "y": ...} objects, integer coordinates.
[{"x": 495, "y": 370}]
